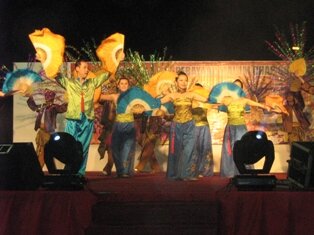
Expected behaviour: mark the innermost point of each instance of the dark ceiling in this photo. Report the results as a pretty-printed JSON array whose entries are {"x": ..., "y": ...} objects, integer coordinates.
[{"x": 191, "y": 30}]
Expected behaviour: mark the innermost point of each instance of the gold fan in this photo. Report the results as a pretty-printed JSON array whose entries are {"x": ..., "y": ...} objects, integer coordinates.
[
  {"x": 160, "y": 83},
  {"x": 49, "y": 50},
  {"x": 298, "y": 67},
  {"x": 276, "y": 103},
  {"x": 110, "y": 52},
  {"x": 200, "y": 91}
]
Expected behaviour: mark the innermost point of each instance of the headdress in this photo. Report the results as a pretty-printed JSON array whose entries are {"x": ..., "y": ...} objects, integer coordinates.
[{"x": 49, "y": 95}]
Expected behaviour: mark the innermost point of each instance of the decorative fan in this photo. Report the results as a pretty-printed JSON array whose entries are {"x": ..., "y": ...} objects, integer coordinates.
[
  {"x": 136, "y": 100},
  {"x": 225, "y": 89},
  {"x": 298, "y": 67},
  {"x": 160, "y": 82},
  {"x": 49, "y": 50},
  {"x": 200, "y": 91},
  {"x": 20, "y": 81},
  {"x": 276, "y": 103},
  {"x": 110, "y": 50}
]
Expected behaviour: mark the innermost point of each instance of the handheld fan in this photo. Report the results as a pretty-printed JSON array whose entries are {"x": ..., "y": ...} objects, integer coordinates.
[
  {"x": 20, "y": 81},
  {"x": 136, "y": 98},
  {"x": 160, "y": 82},
  {"x": 49, "y": 50},
  {"x": 109, "y": 50},
  {"x": 223, "y": 89}
]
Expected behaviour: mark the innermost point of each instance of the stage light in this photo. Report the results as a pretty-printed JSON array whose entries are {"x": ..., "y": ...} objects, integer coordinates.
[
  {"x": 57, "y": 137},
  {"x": 253, "y": 147},
  {"x": 295, "y": 48},
  {"x": 64, "y": 148},
  {"x": 258, "y": 136}
]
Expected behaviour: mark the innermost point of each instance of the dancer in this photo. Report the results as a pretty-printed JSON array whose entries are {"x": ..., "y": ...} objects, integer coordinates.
[
  {"x": 80, "y": 113},
  {"x": 204, "y": 162},
  {"x": 107, "y": 120},
  {"x": 152, "y": 134},
  {"x": 123, "y": 134},
  {"x": 182, "y": 131},
  {"x": 45, "y": 123},
  {"x": 234, "y": 130}
]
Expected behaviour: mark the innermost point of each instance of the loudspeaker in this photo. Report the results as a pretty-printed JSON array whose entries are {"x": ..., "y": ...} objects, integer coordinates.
[
  {"x": 300, "y": 165},
  {"x": 19, "y": 167}
]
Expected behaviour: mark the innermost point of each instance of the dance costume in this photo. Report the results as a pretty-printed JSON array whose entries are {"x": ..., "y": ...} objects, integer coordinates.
[
  {"x": 234, "y": 130},
  {"x": 123, "y": 144},
  {"x": 203, "y": 143},
  {"x": 80, "y": 113},
  {"x": 181, "y": 142}
]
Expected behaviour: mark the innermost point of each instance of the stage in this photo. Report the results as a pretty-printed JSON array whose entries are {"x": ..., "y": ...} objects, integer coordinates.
[{"x": 151, "y": 204}]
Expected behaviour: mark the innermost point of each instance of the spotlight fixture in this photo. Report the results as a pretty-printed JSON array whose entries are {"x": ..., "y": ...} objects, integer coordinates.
[
  {"x": 253, "y": 147},
  {"x": 64, "y": 148}
]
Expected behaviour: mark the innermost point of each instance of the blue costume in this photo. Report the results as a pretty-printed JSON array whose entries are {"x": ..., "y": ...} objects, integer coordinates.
[
  {"x": 234, "y": 130},
  {"x": 181, "y": 141},
  {"x": 204, "y": 162},
  {"x": 123, "y": 144}
]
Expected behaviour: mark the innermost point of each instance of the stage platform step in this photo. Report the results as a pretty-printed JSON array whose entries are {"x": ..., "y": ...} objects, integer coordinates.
[
  {"x": 152, "y": 230},
  {"x": 154, "y": 218}
]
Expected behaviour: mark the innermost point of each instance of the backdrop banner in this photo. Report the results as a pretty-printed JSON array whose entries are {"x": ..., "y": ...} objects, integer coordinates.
[{"x": 207, "y": 73}]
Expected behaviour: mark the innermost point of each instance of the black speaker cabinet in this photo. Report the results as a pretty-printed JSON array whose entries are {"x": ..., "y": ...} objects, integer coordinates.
[
  {"x": 19, "y": 167},
  {"x": 300, "y": 168}
]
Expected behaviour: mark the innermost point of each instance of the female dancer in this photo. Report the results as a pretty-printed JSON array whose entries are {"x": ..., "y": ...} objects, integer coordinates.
[
  {"x": 181, "y": 158},
  {"x": 234, "y": 130},
  {"x": 204, "y": 161},
  {"x": 123, "y": 135}
]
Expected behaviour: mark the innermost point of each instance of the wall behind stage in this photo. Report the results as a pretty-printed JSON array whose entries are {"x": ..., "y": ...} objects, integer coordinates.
[{"x": 208, "y": 73}]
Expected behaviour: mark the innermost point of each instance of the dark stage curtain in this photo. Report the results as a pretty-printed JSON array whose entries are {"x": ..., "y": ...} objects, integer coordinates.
[
  {"x": 45, "y": 212},
  {"x": 266, "y": 213}
]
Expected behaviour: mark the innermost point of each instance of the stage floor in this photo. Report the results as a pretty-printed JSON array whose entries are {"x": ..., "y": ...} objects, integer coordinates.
[{"x": 152, "y": 187}]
